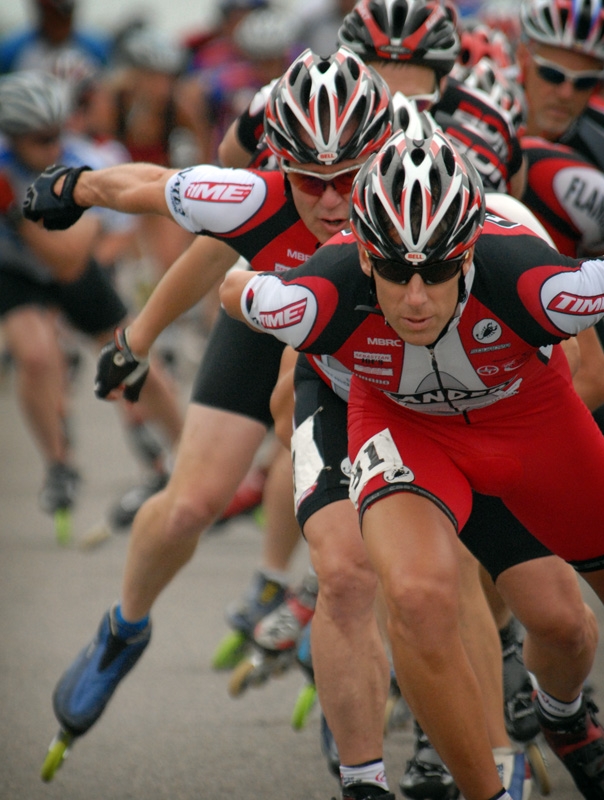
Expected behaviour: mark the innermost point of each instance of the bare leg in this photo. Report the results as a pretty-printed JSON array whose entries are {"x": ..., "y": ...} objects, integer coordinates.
[
  {"x": 282, "y": 530},
  {"x": 216, "y": 451},
  {"x": 562, "y": 634},
  {"x": 413, "y": 547},
  {"x": 349, "y": 658},
  {"x": 481, "y": 641},
  {"x": 31, "y": 337}
]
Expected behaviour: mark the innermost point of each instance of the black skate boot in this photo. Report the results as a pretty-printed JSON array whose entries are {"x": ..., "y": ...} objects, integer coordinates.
[
  {"x": 123, "y": 512},
  {"x": 365, "y": 791},
  {"x": 426, "y": 776},
  {"x": 60, "y": 488},
  {"x": 520, "y": 720},
  {"x": 579, "y": 743}
]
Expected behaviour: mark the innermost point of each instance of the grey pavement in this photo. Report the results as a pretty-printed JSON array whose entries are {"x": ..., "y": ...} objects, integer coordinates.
[{"x": 171, "y": 732}]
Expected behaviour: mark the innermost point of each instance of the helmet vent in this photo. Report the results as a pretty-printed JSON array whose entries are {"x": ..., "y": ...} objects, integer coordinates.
[
  {"x": 399, "y": 17},
  {"x": 448, "y": 160},
  {"x": 416, "y": 211},
  {"x": 417, "y": 154},
  {"x": 583, "y": 24},
  {"x": 435, "y": 187}
]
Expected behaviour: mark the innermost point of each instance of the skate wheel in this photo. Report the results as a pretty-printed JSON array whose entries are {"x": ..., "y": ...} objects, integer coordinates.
[
  {"x": 231, "y": 651},
  {"x": 303, "y": 707},
  {"x": 95, "y": 537},
  {"x": 538, "y": 768},
  {"x": 62, "y": 518},
  {"x": 57, "y": 753},
  {"x": 240, "y": 679}
]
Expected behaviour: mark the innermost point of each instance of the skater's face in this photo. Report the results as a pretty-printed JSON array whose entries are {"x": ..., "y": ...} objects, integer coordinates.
[
  {"x": 419, "y": 309},
  {"x": 321, "y": 195},
  {"x": 37, "y": 150},
  {"x": 558, "y": 84}
]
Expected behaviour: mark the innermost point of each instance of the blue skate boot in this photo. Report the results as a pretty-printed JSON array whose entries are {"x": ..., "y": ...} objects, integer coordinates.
[{"x": 88, "y": 684}]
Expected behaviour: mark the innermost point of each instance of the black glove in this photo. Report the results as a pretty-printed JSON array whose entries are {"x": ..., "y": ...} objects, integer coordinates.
[
  {"x": 57, "y": 211},
  {"x": 117, "y": 366}
]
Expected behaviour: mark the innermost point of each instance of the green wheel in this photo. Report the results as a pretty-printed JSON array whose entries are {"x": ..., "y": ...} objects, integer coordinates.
[
  {"x": 63, "y": 526},
  {"x": 57, "y": 753},
  {"x": 303, "y": 707},
  {"x": 231, "y": 651}
]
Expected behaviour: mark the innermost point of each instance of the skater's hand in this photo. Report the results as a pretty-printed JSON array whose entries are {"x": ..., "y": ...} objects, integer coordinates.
[
  {"x": 119, "y": 369},
  {"x": 57, "y": 211}
]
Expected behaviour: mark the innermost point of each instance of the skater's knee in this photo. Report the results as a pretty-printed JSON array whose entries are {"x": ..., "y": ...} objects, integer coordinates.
[
  {"x": 571, "y": 630},
  {"x": 347, "y": 585},
  {"x": 422, "y": 611},
  {"x": 187, "y": 515}
]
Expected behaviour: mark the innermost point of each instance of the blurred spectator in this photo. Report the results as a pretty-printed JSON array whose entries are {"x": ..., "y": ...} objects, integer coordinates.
[
  {"x": 320, "y": 22},
  {"x": 46, "y": 276},
  {"x": 261, "y": 46},
  {"x": 53, "y": 43}
]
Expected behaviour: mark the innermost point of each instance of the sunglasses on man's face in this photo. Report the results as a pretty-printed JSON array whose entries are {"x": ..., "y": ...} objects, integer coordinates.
[
  {"x": 431, "y": 273},
  {"x": 550, "y": 72},
  {"x": 316, "y": 184}
]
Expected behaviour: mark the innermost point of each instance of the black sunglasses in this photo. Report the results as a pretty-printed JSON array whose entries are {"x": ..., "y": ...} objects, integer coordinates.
[
  {"x": 432, "y": 273},
  {"x": 555, "y": 74}
]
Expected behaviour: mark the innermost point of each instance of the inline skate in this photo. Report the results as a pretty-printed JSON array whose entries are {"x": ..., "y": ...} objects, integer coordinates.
[
  {"x": 263, "y": 596},
  {"x": 57, "y": 497},
  {"x": 275, "y": 638},
  {"x": 85, "y": 688}
]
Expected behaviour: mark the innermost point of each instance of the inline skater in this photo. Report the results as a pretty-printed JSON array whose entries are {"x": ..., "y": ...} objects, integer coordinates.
[
  {"x": 417, "y": 349},
  {"x": 274, "y": 218},
  {"x": 46, "y": 277}
]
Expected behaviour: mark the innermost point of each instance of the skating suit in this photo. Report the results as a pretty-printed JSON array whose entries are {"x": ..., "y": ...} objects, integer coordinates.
[
  {"x": 253, "y": 213},
  {"x": 482, "y": 409}
]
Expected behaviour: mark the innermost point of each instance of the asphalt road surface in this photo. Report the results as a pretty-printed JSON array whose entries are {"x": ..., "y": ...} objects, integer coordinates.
[{"x": 171, "y": 732}]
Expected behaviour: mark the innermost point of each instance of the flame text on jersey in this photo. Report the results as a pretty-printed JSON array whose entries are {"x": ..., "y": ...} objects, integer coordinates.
[
  {"x": 218, "y": 192},
  {"x": 283, "y": 317}
]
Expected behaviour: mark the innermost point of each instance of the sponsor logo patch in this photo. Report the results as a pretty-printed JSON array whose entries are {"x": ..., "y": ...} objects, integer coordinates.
[
  {"x": 566, "y": 303},
  {"x": 218, "y": 192},
  {"x": 283, "y": 317}
]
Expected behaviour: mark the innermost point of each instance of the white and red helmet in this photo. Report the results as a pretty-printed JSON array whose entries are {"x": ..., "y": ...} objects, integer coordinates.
[
  {"x": 570, "y": 24},
  {"x": 413, "y": 31},
  {"x": 327, "y": 110},
  {"x": 417, "y": 200}
]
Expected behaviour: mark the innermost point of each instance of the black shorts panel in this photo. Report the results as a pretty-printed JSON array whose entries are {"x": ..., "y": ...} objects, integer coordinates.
[
  {"x": 239, "y": 370},
  {"x": 90, "y": 303},
  {"x": 314, "y": 399},
  {"x": 497, "y": 539}
]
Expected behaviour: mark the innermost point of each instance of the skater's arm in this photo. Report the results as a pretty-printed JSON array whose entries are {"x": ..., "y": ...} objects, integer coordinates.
[
  {"x": 131, "y": 188},
  {"x": 60, "y": 195},
  {"x": 189, "y": 279},
  {"x": 231, "y": 290}
]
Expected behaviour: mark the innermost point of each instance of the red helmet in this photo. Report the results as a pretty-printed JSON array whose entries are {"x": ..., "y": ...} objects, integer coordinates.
[{"x": 417, "y": 31}]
